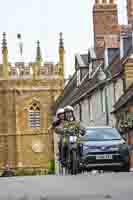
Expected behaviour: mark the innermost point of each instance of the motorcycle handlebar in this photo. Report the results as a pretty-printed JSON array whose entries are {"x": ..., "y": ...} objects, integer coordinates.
[{"x": 72, "y": 131}]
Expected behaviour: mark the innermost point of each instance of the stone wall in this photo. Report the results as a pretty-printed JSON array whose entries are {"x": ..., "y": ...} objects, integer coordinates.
[{"x": 20, "y": 145}]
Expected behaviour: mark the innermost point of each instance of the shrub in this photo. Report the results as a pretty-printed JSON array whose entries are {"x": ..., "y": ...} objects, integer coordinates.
[{"x": 51, "y": 167}]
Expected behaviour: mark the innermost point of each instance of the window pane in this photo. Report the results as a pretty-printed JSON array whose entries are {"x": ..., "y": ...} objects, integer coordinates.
[
  {"x": 34, "y": 118},
  {"x": 97, "y": 134}
]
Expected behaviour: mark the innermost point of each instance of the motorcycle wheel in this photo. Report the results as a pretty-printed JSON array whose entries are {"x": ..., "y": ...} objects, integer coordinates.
[{"x": 74, "y": 163}]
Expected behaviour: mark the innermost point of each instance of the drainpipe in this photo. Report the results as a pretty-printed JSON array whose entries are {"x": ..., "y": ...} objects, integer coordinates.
[{"x": 106, "y": 106}]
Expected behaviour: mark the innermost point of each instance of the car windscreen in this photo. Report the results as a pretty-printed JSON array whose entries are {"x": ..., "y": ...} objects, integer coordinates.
[{"x": 96, "y": 134}]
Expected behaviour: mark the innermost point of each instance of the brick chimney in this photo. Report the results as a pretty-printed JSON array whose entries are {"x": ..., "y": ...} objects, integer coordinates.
[
  {"x": 130, "y": 11},
  {"x": 105, "y": 20}
]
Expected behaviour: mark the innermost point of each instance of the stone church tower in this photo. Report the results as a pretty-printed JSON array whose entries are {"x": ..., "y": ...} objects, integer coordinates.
[{"x": 27, "y": 95}]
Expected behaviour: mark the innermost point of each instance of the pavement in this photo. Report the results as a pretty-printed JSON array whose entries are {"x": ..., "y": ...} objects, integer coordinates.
[{"x": 80, "y": 187}]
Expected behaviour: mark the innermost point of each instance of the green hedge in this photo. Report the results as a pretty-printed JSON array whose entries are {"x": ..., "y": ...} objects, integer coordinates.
[
  {"x": 34, "y": 172},
  {"x": 51, "y": 167},
  {"x": 30, "y": 172}
]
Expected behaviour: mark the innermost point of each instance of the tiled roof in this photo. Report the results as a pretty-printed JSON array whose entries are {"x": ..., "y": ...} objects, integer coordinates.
[
  {"x": 71, "y": 85},
  {"x": 73, "y": 94},
  {"x": 116, "y": 67},
  {"x": 124, "y": 99},
  {"x": 99, "y": 52}
]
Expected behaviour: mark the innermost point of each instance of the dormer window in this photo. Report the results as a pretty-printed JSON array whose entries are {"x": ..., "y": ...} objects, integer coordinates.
[{"x": 78, "y": 77}]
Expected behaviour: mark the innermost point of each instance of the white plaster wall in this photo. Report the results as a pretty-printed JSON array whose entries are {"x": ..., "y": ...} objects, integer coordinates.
[
  {"x": 93, "y": 115},
  {"x": 98, "y": 117},
  {"x": 110, "y": 100},
  {"x": 77, "y": 112},
  {"x": 118, "y": 89},
  {"x": 85, "y": 111}
]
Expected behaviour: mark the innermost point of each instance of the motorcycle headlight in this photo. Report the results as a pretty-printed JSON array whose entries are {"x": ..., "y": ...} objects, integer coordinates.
[{"x": 73, "y": 139}]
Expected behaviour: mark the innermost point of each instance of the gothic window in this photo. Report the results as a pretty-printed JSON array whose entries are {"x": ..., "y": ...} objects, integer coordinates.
[{"x": 34, "y": 116}]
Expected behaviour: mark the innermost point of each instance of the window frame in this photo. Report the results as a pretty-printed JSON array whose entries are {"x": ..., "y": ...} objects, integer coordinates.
[{"x": 34, "y": 116}]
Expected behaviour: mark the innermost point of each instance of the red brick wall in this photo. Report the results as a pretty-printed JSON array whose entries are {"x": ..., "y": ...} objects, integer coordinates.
[
  {"x": 105, "y": 19},
  {"x": 130, "y": 11}
]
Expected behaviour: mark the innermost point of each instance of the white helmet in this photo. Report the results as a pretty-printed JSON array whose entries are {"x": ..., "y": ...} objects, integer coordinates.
[
  {"x": 60, "y": 111},
  {"x": 69, "y": 108}
]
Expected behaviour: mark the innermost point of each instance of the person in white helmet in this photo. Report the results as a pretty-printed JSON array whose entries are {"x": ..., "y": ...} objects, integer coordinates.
[
  {"x": 70, "y": 121},
  {"x": 70, "y": 118},
  {"x": 59, "y": 117},
  {"x": 69, "y": 113}
]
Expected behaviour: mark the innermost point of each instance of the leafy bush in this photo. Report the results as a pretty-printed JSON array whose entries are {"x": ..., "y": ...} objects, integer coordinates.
[
  {"x": 30, "y": 172},
  {"x": 51, "y": 167}
]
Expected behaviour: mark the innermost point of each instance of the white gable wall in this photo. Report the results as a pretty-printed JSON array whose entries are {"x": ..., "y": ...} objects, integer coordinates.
[
  {"x": 85, "y": 111},
  {"x": 93, "y": 108}
]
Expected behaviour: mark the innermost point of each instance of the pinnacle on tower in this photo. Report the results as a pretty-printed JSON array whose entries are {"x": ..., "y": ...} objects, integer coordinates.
[
  {"x": 19, "y": 36},
  {"x": 61, "y": 55},
  {"x": 61, "y": 44},
  {"x": 38, "y": 53},
  {"x": 5, "y": 56},
  {"x": 4, "y": 42},
  {"x": 19, "y": 48}
]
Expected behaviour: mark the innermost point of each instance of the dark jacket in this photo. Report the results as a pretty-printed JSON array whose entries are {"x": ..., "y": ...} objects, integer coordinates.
[
  {"x": 7, "y": 173},
  {"x": 56, "y": 123}
]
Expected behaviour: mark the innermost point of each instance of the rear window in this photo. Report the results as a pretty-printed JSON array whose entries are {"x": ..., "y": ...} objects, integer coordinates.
[{"x": 97, "y": 134}]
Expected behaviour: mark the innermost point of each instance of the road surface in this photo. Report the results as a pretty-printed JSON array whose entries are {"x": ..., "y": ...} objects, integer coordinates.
[{"x": 81, "y": 187}]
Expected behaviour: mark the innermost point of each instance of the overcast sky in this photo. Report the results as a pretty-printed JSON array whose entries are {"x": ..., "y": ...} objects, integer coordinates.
[{"x": 43, "y": 20}]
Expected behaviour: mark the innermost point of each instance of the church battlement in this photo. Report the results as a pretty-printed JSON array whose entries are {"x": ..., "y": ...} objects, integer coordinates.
[
  {"x": 32, "y": 70},
  {"x": 21, "y": 70},
  {"x": 27, "y": 70}
]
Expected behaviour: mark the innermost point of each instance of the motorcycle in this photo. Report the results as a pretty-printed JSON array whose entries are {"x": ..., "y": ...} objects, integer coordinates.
[{"x": 72, "y": 141}]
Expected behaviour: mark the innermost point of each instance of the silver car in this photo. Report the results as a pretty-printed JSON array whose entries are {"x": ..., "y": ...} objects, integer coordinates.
[{"x": 104, "y": 148}]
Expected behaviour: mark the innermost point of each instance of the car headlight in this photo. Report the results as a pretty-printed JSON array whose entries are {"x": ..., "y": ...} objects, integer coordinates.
[
  {"x": 123, "y": 147},
  {"x": 115, "y": 148}
]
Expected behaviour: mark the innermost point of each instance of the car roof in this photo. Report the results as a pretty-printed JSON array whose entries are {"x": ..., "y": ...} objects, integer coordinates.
[{"x": 98, "y": 127}]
